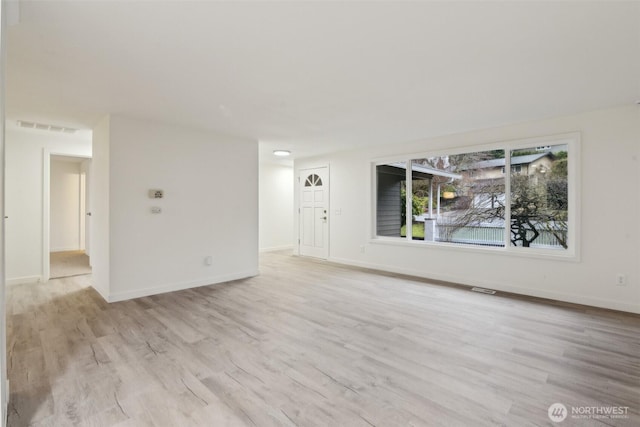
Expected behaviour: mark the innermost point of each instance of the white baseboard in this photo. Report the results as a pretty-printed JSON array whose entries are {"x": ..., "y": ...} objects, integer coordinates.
[
  {"x": 277, "y": 248},
  {"x": 23, "y": 280},
  {"x": 557, "y": 296},
  {"x": 171, "y": 287},
  {"x": 101, "y": 292}
]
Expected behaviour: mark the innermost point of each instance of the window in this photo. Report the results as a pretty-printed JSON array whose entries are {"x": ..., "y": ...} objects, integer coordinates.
[
  {"x": 459, "y": 198},
  {"x": 390, "y": 201},
  {"x": 540, "y": 200},
  {"x": 515, "y": 168},
  {"x": 313, "y": 180},
  {"x": 466, "y": 198}
]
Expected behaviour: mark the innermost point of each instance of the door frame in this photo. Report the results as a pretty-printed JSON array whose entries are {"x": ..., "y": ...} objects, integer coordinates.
[
  {"x": 46, "y": 206},
  {"x": 299, "y": 205}
]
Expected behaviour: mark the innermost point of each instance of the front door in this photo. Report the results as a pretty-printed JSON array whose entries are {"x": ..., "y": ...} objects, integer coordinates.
[{"x": 314, "y": 212}]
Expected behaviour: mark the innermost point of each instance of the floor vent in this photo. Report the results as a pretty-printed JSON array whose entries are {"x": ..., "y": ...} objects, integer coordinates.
[
  {"x": 42, "y": 126},
  {"x": 484, "y": 291}
]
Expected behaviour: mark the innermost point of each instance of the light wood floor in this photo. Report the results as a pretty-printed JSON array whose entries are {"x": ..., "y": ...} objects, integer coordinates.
[
  {"x": 68, "y": 263},
  {"x": 309, "y": 343}
]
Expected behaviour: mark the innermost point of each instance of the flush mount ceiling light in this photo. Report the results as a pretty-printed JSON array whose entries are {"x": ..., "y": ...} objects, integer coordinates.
[{"x": 281, "y": 153}]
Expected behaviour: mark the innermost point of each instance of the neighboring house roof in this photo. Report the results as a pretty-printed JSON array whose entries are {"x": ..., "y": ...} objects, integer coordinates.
[
  {"x": 497, "y": 163},
  {"x": 426, "y": 170}
]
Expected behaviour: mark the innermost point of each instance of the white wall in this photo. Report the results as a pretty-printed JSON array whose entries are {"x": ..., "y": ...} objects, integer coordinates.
[
  {"x": 4, "y": 389},
  {"x": 99, "y": 207},
  {"x": 610, "y": 210},
  {"x": 25, "y": 151},
  {"x": 65, "y": 205},
  {"x": 210, "y": 208},
  {"x": 276, "y": 207}
]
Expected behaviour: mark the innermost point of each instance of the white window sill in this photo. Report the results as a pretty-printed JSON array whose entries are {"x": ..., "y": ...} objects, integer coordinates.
[{"x": 556, "y": 255}]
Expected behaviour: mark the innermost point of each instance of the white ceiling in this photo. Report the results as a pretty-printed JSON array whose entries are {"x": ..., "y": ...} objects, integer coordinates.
[{"x": 315, "y": 77}]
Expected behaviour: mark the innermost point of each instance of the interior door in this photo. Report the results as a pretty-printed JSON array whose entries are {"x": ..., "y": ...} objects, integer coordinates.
[{"x": 314, "y": 212}]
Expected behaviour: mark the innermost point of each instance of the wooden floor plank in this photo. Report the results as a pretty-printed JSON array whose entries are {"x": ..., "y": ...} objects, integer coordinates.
[{"x": 310, "y": 343}]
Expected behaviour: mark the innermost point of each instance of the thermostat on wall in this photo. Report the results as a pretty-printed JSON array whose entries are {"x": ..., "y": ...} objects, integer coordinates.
[{"x": 156, "y": 194}]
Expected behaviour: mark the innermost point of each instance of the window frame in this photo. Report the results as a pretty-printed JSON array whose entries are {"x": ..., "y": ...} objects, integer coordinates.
[{"x": 572, "y": 253}]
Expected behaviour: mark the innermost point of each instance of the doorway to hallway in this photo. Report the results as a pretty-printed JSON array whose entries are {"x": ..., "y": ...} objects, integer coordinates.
[{"x": 69, "y": 215}]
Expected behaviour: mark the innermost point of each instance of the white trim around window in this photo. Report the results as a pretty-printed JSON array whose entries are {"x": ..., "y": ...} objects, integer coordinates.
[{"x": 572, "y": 251}]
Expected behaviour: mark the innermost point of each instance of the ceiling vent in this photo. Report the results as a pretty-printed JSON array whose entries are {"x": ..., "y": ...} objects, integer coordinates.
[
  {"x": 483, "y": 290},
  {"x": 42, "y": 126}
]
